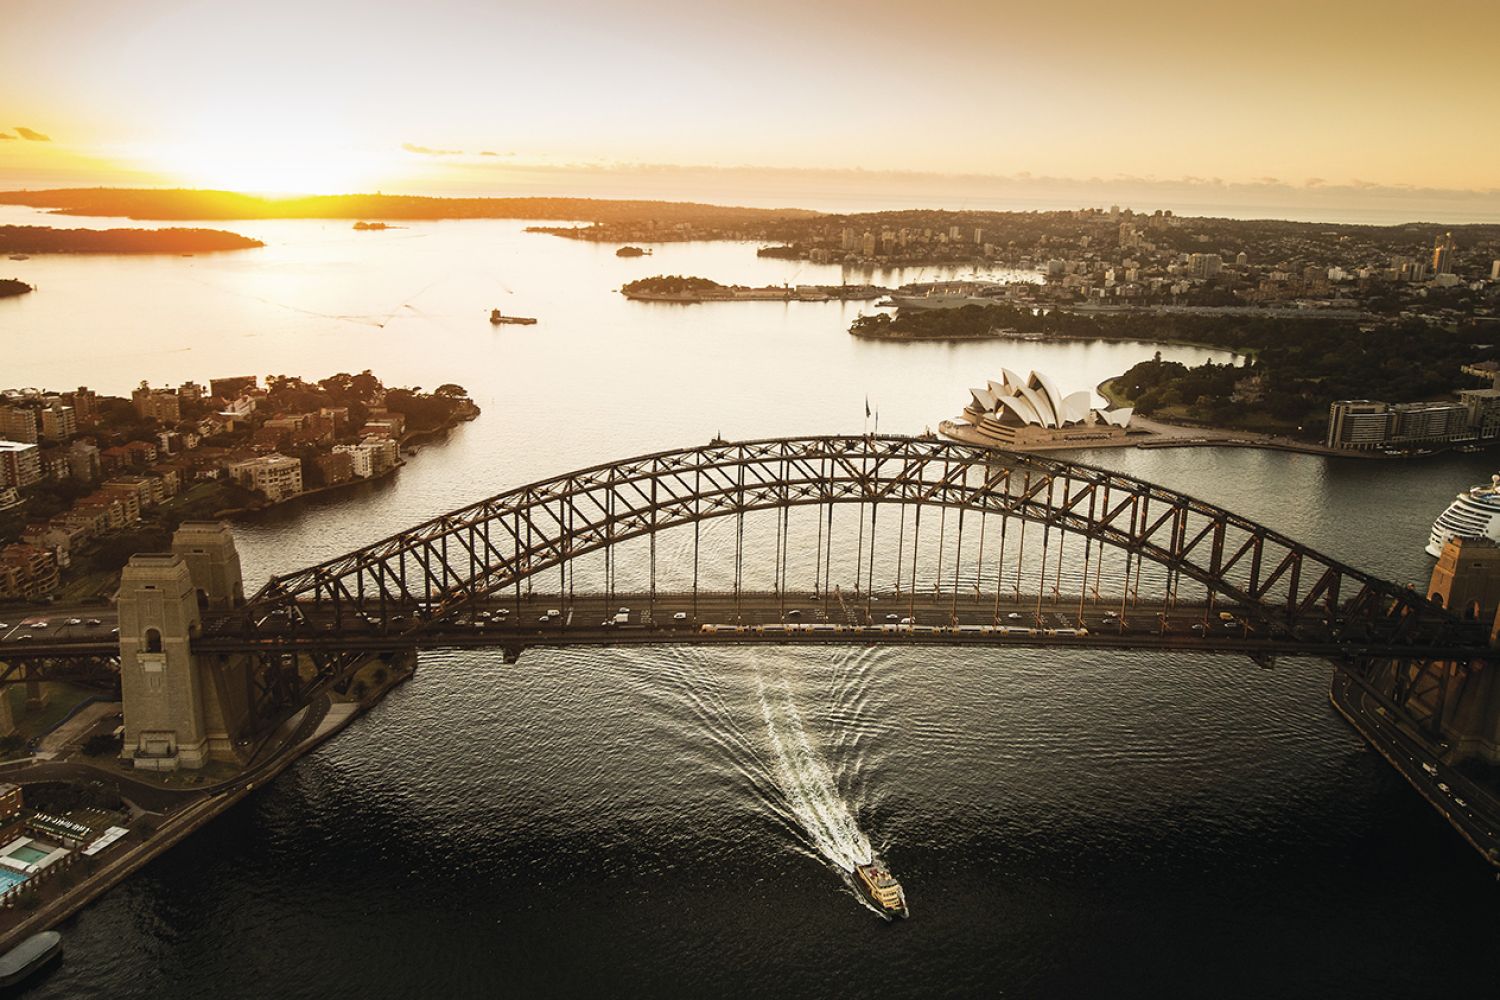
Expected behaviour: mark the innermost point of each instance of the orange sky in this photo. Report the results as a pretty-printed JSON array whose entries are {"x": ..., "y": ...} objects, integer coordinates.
[{"x": 345, "y": 95}]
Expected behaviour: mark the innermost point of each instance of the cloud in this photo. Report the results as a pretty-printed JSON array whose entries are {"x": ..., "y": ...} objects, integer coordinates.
[
  {"x": 412, "y": 147},
  {"x": 491, "y": 152},
  {"x": 6, "y": 135},
  {"x": 26, "y": 133}
]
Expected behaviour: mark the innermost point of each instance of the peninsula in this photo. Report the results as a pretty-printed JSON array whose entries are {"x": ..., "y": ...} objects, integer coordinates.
[
  {"x": 10, "y": 286},
  {"x": 45, "y": 239},
  {"x": 676, "y": 288},
  {"x": 151, "y": 203},
  {"x": 103, "y": 477}
]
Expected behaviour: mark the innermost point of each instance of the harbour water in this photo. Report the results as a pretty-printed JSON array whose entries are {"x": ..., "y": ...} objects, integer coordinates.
[{"x": 679, "y": 822}]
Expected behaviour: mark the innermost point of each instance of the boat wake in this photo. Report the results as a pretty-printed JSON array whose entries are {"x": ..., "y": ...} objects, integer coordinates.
[{"x": 802, "y": 775}]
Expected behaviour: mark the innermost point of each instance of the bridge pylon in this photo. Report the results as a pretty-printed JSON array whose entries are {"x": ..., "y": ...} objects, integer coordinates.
[{"x": 181, "y": 710}]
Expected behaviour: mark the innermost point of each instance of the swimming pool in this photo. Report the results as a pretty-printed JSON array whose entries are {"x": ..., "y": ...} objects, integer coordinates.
[
  {"x": 30, "y": 855},
  {"x": 10, "y": 879}
]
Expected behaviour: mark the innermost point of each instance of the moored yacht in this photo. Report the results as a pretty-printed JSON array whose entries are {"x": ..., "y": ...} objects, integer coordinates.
[{"x": 1474, "y": 514}]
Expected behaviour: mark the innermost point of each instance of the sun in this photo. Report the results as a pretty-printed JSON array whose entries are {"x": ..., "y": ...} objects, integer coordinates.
[{"x": 271, "y": 168}]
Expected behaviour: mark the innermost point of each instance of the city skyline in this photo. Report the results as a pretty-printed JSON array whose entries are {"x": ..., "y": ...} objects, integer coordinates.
[{"x": 1076, "y": 101}]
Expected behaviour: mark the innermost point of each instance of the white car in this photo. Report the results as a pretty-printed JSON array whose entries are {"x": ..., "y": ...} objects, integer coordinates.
[
  {"x": 908, "y": 621},
  {"x": 1444, "y": 788},
  {"x": 1014, "y": 615},
  {"x": 892, "y": 618},
  {"x": 75, "y": 621},
  {"x": 680, "y": 616},
  {"x": 545, "y": 618},
  {"x": 554, "y": 613}
]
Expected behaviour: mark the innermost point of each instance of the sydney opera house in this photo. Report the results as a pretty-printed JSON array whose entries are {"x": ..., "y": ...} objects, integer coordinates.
[{"x": 1032, "y": 413}]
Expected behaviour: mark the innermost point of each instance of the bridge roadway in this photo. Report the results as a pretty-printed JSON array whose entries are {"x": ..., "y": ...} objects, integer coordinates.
[{"x": 794, "y": 618}]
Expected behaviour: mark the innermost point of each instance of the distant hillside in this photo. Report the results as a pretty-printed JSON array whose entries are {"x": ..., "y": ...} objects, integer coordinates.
[
  {"x": 44, "y": 239},
  {"x": 227, "y": 205}
]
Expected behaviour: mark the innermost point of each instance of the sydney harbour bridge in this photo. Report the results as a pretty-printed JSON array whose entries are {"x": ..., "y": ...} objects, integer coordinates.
[{"x": 841, "y": 539}]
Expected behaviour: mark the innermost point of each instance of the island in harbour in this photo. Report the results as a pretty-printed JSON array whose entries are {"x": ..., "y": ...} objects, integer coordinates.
[
  {"x": 373, "y": 227},
  {"x": 10, "y": 286},
  {"x": 45, "y": 239},
  {"x": 676, "y": 288},
  {"x": 631, "y": 252}
]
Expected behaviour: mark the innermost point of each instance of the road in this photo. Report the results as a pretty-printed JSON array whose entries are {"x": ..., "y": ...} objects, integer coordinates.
[{"x": 543, "y": 619}]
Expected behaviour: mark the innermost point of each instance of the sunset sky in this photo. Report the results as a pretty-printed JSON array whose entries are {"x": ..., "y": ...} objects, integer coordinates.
[{"x": 453, "y": 96}]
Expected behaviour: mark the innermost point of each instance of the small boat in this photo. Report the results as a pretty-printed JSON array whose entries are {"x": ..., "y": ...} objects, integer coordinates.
[
  {"x": 29, "y": 956},
  {"x": 496, "y": 317},
  {"x": 880, "y": 887}
]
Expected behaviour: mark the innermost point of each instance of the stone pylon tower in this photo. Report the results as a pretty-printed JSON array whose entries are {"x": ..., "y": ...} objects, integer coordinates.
[
  {"x": 181, "y": 709},
  {"x": 159, "y": 682}
]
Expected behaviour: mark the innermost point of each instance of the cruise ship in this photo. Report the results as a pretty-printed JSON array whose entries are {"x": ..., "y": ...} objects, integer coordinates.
[
  {"x": 1475, "y": 514},
  {"x": 882, "y": 889}
]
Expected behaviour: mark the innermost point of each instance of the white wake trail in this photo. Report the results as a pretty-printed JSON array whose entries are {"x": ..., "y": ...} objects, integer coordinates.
[{"x": 804, "y": 778}]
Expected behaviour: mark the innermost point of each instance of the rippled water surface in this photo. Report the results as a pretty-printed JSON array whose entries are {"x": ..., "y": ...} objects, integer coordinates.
[{"x": 680, "y": 822}]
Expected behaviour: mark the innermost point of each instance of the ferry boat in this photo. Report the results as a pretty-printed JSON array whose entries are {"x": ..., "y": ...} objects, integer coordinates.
[
  {"x": 1474, "y": 514},
  {"x": 29, "y": 956},
  {"x": 497, "y": 317},
  {"x": 881, "y": 888}
]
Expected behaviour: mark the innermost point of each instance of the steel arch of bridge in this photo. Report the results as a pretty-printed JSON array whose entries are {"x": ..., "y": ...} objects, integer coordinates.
[{"x": 465, "y": 556}]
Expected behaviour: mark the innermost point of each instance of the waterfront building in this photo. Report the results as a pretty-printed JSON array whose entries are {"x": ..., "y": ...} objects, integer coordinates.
[
  {"x": 274, "y": 475},
  {"x": 1358, "y": 424},
  {"x": 1032, "y": 412},
  {"x": 20, "y": 464},
  {"x": 1495, "y": 271},
  {"x": 1483, "y": 409},
  {"x": 359, "y": 459},
  {"x": 1416, "y": 423},
  {"x": 336, "y": 467}
]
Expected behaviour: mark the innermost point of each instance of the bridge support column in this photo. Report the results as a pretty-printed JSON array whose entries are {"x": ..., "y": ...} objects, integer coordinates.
[
  {"x": 214, "y": 565},
  {"x": 180, "y": 710},
  {"x": 159, "y": 682}
]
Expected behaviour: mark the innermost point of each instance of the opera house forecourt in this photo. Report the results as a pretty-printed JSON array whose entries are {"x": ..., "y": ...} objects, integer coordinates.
[{"x": 1013, "y": 413}]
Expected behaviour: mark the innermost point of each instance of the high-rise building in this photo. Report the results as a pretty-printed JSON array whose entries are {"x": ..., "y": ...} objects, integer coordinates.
[
  {"x": 18, "y": 423},
  {"x": 1495, "y": 271},
  {"x": 1358, "y": 424},
  {"x": 58, "y": 421},
  {"x": 20, "y": 464},
  {"x": 1205, "y": 265},
  {"x": 1442, "y": 254},
  {"x": 159, "y": 404}
]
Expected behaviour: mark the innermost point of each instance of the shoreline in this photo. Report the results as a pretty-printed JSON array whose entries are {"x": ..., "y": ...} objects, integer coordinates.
[
  {"x": 1151, "y": 434},
  {"x": 1040, "y": 338},
  {"x": 411, "y": 437},
  {"x": 191, "y": 816}
]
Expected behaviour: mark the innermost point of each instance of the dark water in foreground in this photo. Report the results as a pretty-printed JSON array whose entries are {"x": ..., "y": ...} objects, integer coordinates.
[
  {"x": 675, "y": 822},
  {"x": 651, "y": 824}
]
